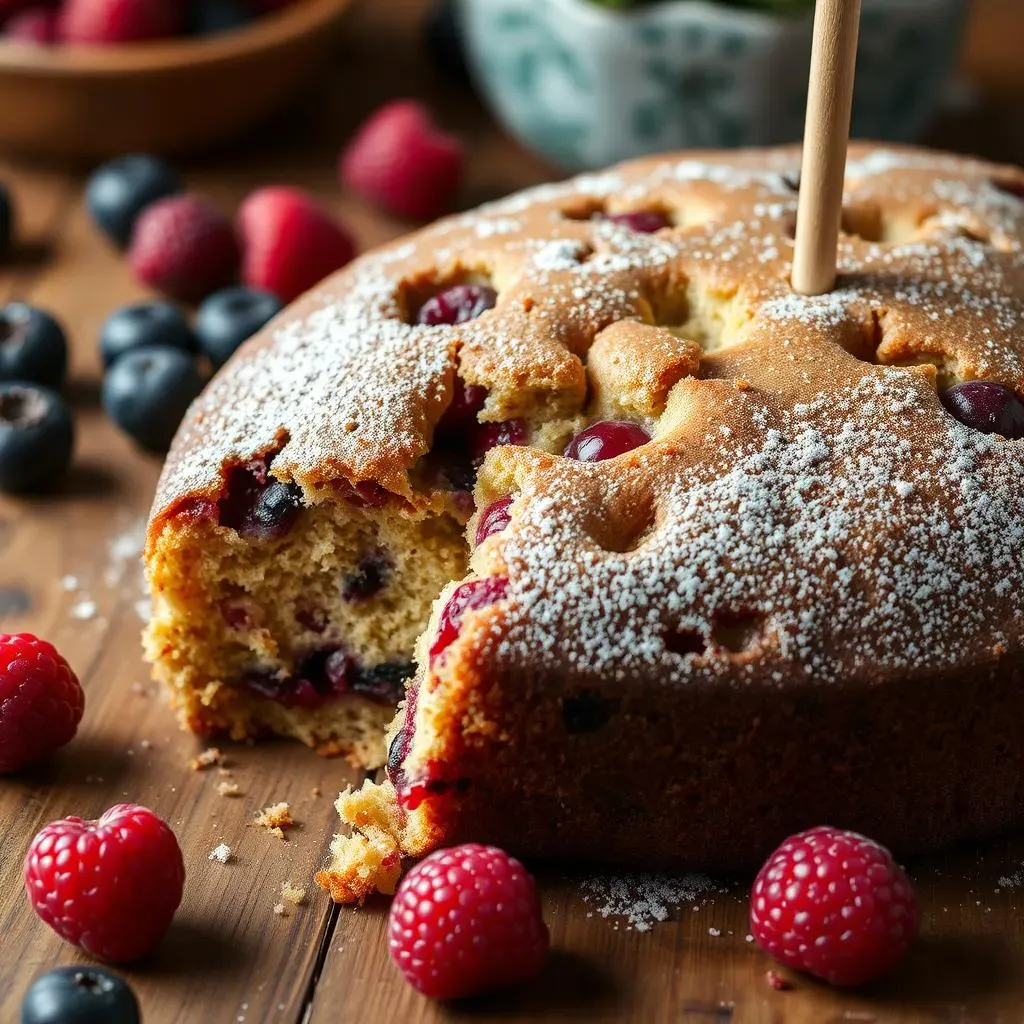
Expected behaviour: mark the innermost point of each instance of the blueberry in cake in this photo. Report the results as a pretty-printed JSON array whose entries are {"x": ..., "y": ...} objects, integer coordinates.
[{"x": 684, "y": 562}]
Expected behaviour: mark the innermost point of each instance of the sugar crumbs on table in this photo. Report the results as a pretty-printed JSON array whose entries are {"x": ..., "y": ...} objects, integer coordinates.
[
  {"x": 281, "y": 910},
  {"x": 84, "y": 610},
  {"x": 643, "y": 899},
  {"x": 69, "y": 583},
  {"x": 207, "y": 759},
  {"x": 220, "y": 853},
  {"x": 275, "y": 819},
  {"x": 777, "y": 982}
]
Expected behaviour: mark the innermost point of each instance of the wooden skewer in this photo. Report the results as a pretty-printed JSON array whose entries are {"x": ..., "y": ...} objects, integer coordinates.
[{"x": 826, "y": 137}]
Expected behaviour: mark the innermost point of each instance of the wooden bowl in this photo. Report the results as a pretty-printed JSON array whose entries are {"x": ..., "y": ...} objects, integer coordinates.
[{"x": 90, "y": 103}]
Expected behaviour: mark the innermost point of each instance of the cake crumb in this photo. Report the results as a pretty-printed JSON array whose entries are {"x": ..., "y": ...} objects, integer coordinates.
[
  {"x": 316, "y": 791},
  {"x": 207, "y": 759},
  {"x": 281, "y": 910},
  {"x": 293, "y": 894},
  {"x": 228, "y": 787},
  {"x": 69, "y": 583},
  {"x": 275, "y": 819},
  {"x": 777, "y": 982},
  {"x": 140, "y": 689},
  {"x": 220, "y": 853}
]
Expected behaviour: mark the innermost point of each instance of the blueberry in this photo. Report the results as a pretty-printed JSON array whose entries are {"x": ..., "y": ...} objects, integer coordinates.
[
  {"x": 206, "y": 17},
  {"x": 36, "y": 437},
  {"x": 6, "y": 225},
  {"x": 79, "y": 995},
  {"x": 120, "y": 190},
  {"x": 147, "y": 392},
  {"x": 442, "y": 35},
  {"x": 229, "y": 317},
  {"x": 32, "y": 346},
  {"x": 143, "y": 325}
]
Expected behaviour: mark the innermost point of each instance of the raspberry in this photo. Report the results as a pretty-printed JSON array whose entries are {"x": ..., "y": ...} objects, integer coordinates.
[
  {"x": 401, "y": 161},
  {"x": 184, "y": 246},
  {"x": 467, "y": 920},
  {"x": 41, "y": 701},
  {"x": 289, "y": 243},
  {"x": 98, "y": 22},
  {"x": 36, "y": 25},
  {"x": 834, "y": 904},
  {"x": 110, "y": 886}
]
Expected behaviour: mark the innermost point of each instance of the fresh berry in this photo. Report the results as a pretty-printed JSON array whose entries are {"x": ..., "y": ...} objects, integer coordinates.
[
  {"x": 208, "y": 17},
  {"x": 110, "y": 886},
  {"x": 103, "y": 22},
  {"x": 144, "y": 325},
  {"x": 465, "y": 598},
  {"x": 401, "y": 161},
  {"x": 834, "y": 904},
  {"x": 36, "y": 25},
  {"x": 41, "y": 700},
  {"x": 606, "y": 440},
  {"x": 457, "y": 304},
  {"x": 37, "y": 437},
  {"x": 289, "y": 243},
  {"x": 987, "y": 406},
  {"x": 120, "y": 190},
  {"x": 185, "y": 247},
  {"x": 79, "y": 995},
  {"x": 643, "y": 222},
  {"x": 467, "y": 920},
  {"x": 494, "y": 519},
  {"x": 6, "y": 225},
  {"x": 32, "y": 346},
  {"x": 147, "y": 392},
  {"x": 442, "y": 35},
  {"x": 231, "y": 316},
  {"x": 489, "y": 435}
]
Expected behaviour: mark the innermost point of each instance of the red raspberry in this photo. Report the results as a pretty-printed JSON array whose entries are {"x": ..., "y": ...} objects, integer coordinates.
[
  {"x": 36, "y": 25},
  {"x": 289, "y": 243},
  {"x": 834, "y": 904},
  {"x": 401, "y": 161},
  {"x": 184, "y": 246},
  {"x": 467, "y": 920},
  {"x": 109, "y": 887},
  {"x": 41, "y": 701},
  {"x": 100, "y": 22}
]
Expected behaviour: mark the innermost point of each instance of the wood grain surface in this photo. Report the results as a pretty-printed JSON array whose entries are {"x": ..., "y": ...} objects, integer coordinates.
[{"x": 69, "y": 571}]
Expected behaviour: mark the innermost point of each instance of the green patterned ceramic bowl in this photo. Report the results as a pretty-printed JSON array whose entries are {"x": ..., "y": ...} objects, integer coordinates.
[{"x": 587, "y": 86}]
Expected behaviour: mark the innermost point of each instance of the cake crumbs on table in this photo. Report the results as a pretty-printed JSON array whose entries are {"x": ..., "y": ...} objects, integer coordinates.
[
  {"x": 220, "y": 853},
  {"x": 207, "y": 759},
  {"x": 281, "y": 910},
  {"x": 777, "y": 982},
  {"x": 228, "y": 787},
  {"x": 294, "y": 894},
  {"x": 316, "y": 791},
  {"x": 275, "y": 819}
]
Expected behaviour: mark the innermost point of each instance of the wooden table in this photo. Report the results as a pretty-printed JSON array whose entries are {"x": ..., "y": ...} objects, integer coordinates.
[{"x": 69, "y": 571}]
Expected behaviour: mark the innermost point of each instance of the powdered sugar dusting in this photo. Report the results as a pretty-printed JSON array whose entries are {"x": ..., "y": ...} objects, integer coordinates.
[{"x": 644, "y": 900}]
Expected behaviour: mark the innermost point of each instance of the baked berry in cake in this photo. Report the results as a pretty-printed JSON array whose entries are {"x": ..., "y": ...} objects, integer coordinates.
[{"x": 694, "y": 563}]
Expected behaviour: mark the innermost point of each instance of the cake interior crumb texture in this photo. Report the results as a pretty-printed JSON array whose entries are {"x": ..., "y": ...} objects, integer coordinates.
[{"x": 799, "y": 601}]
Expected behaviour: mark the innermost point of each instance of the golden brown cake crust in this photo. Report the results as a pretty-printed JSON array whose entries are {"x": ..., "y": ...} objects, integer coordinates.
[{"x": 784, "y": 382}]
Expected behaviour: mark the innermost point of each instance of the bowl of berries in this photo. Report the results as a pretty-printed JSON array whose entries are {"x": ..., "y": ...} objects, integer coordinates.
[
  {"x": 87, "y": 79},
  {"x": 590, "y": 82}
]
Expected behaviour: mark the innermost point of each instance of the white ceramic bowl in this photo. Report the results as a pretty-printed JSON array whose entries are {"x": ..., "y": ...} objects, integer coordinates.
[{"x": 587, "y": 86}]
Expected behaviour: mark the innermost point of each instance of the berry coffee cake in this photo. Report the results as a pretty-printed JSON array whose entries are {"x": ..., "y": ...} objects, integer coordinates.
[{"x": 715, "y": 561}]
